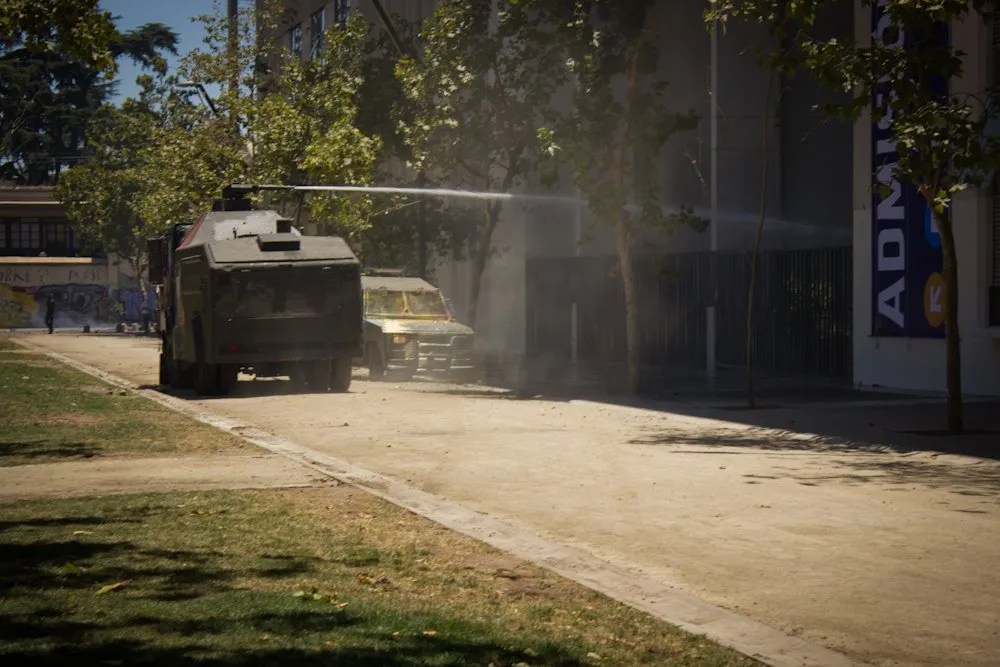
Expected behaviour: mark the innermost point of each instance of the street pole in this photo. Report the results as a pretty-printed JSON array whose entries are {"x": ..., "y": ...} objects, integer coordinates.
[
  {"x": 710, "y": 315},
  {"x": 422, "y": 228}
]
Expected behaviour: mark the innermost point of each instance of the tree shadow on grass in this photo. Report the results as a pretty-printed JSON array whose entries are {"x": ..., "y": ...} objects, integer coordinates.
[
  {"x": 43, "y": 449},
  {"x": 209, "y": 606},
  {"x": 391, "y": 653}
]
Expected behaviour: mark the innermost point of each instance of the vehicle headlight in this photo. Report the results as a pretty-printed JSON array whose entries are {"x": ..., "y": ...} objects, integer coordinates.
[{"x": 399, "y": 340}]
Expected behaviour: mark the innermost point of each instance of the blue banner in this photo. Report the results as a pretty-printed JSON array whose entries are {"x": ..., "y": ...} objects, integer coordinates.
[{"x": 907, "y": 287}]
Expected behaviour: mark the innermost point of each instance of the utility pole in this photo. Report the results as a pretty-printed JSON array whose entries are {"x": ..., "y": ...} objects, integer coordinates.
[
  {"x": 422, "y": 229},
  {"x": 234, "y": 60}
]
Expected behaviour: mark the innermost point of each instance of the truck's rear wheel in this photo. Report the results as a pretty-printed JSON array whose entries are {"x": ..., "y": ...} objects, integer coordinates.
[
  {"x": 228, "y": 377},
  {"x": 206, "y": 380},
  {"x": 164, "y": 370},
  {"x": 319, "y": 376},
  {"x": 181, "y": 376},
  {"x": 340, "y": 374}
]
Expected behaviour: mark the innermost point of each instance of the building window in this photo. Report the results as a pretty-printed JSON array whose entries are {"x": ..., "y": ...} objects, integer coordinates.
[
  {"x": 317, "y": 24},
  {"x": 26, "y": 235},
  {"x": 341, "y": 8},
  {"x": 55, "y": 234},
  {"x": 295, "y": 41},
  {"x": 3, "y": 236}
]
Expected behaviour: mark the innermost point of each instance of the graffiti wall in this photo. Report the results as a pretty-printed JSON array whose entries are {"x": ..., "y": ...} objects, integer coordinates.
[
  {"x": 80, "y": 294},
  {"x": 131, "y": 299}
]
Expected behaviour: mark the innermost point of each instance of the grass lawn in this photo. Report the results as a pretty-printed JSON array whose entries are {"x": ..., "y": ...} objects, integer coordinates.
[
  {"x": 327, "y": 576},
  {"x": 51, "y": 412}
]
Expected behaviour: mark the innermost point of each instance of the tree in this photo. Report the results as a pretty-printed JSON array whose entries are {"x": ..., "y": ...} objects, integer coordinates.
[
  {"x": 294, "y": 124},
  {"x": 411, "y": 231},
  {"x": 78, "y": 28},
  {"x": 615, "y": 130},
  {"x": 101, "y": 195},
  {"x": 939, "y": 136},
  {"x": 48, "y": 97},
  {"x": 478, "y": 92}
]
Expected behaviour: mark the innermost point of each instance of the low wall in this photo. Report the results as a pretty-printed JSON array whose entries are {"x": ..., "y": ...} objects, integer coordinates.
[{"x": 81, "y": 291}]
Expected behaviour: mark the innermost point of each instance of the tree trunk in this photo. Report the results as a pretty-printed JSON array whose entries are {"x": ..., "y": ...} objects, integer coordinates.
[
  {"x": 632, "y": 342},
  {"x": 623, "y": 239},
  {"x": 764, "y": 185},
  {"x": 479, "y": 259},
  {"x": 953, "y": 341}
]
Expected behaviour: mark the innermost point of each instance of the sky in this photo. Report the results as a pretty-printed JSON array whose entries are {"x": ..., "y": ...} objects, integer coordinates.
[{"x": 176, "y": 14}]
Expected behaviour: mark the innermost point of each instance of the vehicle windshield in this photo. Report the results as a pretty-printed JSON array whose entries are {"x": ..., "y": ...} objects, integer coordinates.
[
  {"x": 388, "y": 303},
  {"x": 426, "y": 303}
]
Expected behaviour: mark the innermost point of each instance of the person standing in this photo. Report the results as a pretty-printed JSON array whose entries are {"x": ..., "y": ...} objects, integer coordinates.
[
  {"x": 144, "y": 314},
  {"x": 50, "y": 312}
]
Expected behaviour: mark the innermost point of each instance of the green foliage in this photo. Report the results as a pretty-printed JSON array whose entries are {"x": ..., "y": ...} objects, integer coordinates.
[
  {"x": 477, "y": 97},
  {"x": 620, "y": 118},
  {"x": 101, "y": 195},
  {"x": 77, "y": 28},
  {"x": 479, "y": 91},
  {"x": 49, "y": 95},
  {"x": 943, "y": 142}
]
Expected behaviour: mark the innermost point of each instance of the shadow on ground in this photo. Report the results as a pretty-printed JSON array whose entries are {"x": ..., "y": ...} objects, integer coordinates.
[
  {"x": 41, "y": 449},
  {"x": 204, "y": 606},
  {"x": 405, "y": 653},
  {"x": 841, "y": 415}
]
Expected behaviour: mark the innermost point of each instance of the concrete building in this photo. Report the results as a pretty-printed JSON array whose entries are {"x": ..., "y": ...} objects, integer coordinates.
[
  {"x": 808, "y": 202},
  {"x": 40, "y": 256},
  {"x": 898, "y": 330},
  {"x": 33, "y": 222},
  {"x": 821, "y": 195}
]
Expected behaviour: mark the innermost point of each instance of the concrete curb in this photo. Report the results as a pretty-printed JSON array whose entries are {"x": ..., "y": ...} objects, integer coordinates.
[{"x": 622, "y": 582}]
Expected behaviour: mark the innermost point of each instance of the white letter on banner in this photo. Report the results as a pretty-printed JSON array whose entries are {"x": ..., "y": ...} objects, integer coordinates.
[
  {"x": 889, "y": 302},
  {"x": 895, "y": 261}
]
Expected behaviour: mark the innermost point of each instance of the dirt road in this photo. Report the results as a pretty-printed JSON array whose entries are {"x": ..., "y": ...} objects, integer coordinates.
[{"x": 888, "y": 558}]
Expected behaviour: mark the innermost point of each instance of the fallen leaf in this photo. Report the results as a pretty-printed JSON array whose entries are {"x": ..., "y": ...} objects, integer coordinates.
[
  {"x": 82, "y": 532},
  {"x": 430, "y": 633},
  {"x": 265, "y": 637},
  {"x": 329, "y": 644},
  {"x": 111, "y": 587},
  {"x": 593, "y": 656},
  {"x": 341, "y": 605}
]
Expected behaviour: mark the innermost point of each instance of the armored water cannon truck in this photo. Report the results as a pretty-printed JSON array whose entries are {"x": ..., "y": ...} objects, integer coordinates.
[{"x": 244, "y": 290}]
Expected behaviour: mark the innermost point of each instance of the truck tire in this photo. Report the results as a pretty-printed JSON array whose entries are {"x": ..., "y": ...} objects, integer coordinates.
[
  {"x": 206, "y": 379},
  {"x": 228, "y": 377},
  {"x": 340, "y": 375},
  {"x": 164, "y": 370},
  {"x": 376, "y": 365},
  {"x": 319, "y": 374}
]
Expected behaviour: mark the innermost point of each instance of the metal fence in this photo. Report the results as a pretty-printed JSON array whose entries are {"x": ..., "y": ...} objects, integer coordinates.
[{"x": 802, "y": 312}]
